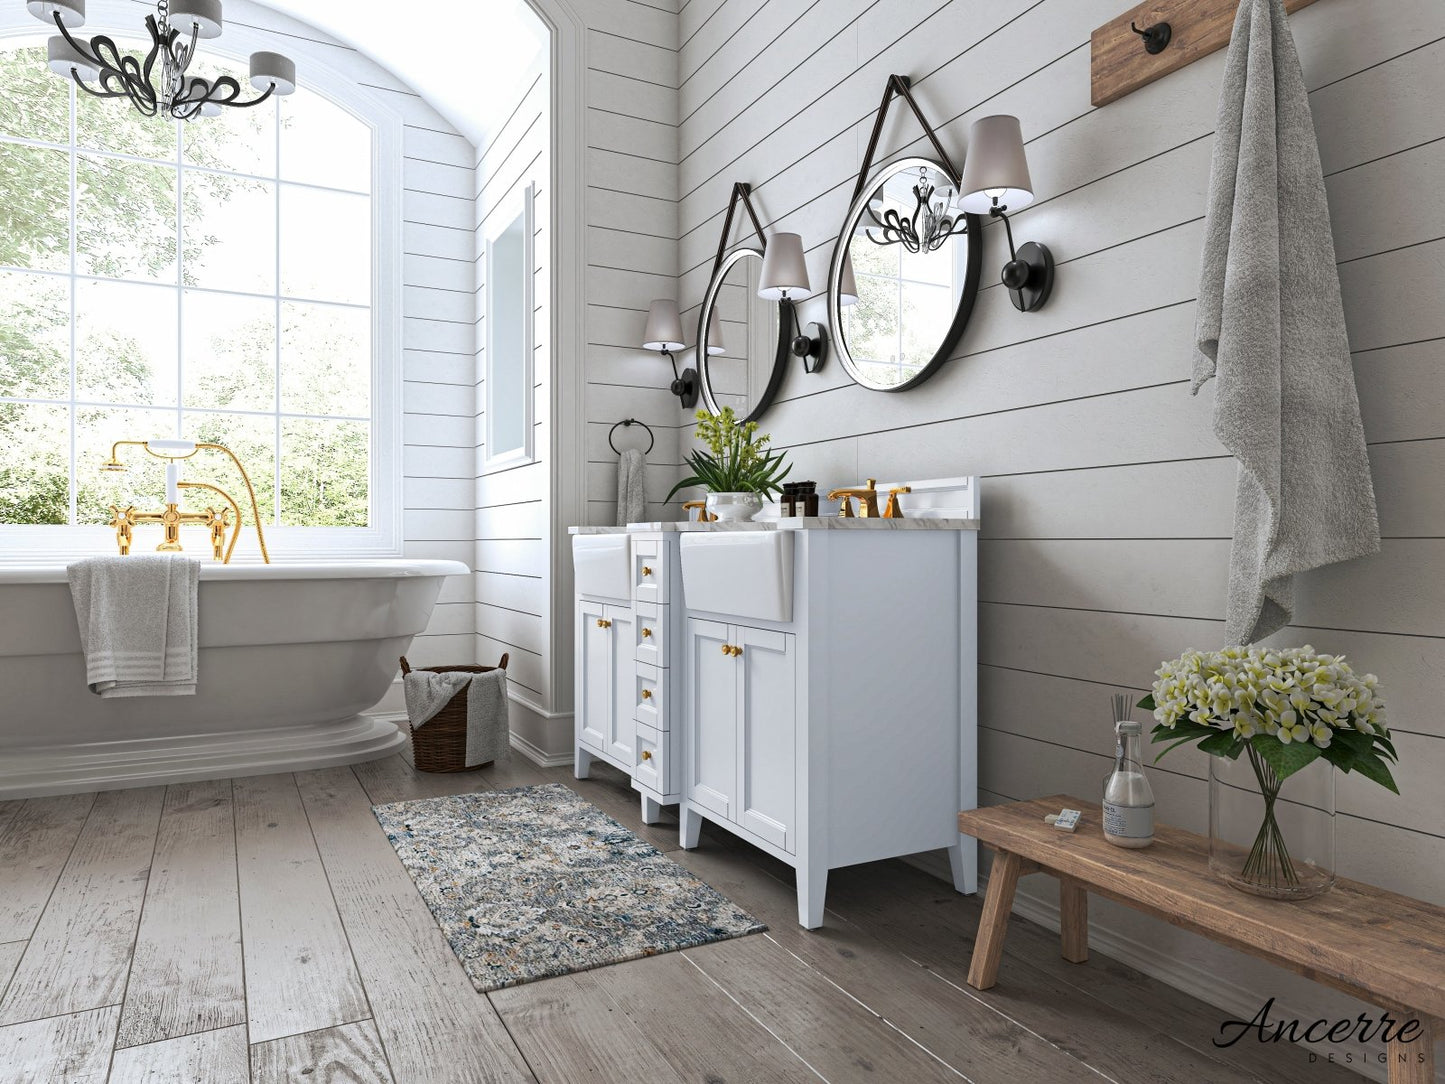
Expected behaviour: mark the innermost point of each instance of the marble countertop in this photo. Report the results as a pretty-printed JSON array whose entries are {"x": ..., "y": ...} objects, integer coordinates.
[{"x": 793, "y": 523}]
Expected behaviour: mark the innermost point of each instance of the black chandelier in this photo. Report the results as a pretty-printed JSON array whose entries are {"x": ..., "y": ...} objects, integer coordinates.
[
  {"x": 164, "y": 88},
  {"x": 929, "y": 226}
]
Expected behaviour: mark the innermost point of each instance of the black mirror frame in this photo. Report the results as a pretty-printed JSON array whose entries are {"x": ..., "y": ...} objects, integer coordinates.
[
  {"x": 704, "y": 361},
  {"x": 972, "y": 273}
]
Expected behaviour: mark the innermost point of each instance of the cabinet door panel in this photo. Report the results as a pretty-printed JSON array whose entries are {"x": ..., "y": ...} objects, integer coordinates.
[
  {"x": 621, "y": 727},
  {"x": 766, "y": 733},
  {"x": 594, "y": 680},
  {"x": 712, "y": 766}
]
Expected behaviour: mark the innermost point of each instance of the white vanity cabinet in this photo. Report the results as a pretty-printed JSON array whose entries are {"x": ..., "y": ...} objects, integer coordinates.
[
  {"x": 830, "y": 717},
  {"x": 625, "y": 638}
]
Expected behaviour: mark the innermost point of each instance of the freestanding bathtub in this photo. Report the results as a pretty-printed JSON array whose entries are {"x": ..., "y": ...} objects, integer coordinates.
[{"x": 290, "y": 655}]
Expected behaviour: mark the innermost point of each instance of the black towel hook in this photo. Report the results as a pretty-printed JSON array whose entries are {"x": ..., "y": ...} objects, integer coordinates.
[
  {"x": 1156, "y": 37},
  {"x": 651, "y": 437}
]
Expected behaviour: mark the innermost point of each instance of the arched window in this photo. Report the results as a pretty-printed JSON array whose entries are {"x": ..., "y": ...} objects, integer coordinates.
[{"x": 209, "y": 280}]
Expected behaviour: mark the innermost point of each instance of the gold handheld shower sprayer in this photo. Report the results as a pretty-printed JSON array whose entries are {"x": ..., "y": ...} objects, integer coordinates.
[{"x": 125, "y": 520}]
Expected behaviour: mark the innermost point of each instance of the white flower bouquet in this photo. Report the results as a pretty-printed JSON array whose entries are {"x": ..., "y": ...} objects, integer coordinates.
[{"x": 1282, "y": 707}]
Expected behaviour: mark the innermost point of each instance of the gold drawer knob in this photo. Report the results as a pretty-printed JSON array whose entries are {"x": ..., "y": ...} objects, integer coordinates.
[
  {"x": 737, "y": 652},
  {"x": 602, "y": 624},
  {"x": 646, "y": 571},
  {"x": 647, "y": 754},
  {"x": 647, "y": 694},
  {"x": 727, "y": 649},
  {"x": 646, "y": 633}
]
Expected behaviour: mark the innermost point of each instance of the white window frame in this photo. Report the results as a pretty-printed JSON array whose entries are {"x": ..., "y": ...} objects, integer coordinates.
[
  {"x": 382, "y": 537},
  {"x": 519, "y": 204}
]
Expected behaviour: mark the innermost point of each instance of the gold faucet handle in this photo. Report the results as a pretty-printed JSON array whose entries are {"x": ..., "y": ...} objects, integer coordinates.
[
  {"x": 894, "y": 509},
  {"x": 702, "y": 515},
  {"x": 867, "y": 500}
]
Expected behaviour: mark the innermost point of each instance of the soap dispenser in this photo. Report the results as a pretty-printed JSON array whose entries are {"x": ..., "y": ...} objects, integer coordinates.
[{"x": 1128, "y": 798}]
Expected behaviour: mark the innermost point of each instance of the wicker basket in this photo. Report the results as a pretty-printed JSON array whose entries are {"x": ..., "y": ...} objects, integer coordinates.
[{"x": 441, "y": 745}]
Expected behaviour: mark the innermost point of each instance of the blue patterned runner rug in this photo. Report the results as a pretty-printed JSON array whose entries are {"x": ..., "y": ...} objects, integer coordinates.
[{"x": 534, "y": 882}]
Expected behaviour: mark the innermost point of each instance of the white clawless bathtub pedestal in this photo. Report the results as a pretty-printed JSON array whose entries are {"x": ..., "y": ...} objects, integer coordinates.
[{"x": 290, "y": 656}]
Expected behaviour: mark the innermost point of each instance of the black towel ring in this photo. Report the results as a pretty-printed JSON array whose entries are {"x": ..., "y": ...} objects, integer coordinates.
[{"x": 629, "y": 422}]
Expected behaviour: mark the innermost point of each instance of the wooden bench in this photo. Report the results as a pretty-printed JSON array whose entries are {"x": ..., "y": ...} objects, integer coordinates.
[{"x": 1384, "y": 948}]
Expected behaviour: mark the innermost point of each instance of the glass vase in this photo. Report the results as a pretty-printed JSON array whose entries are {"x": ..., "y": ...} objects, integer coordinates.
[{"x": 1270, "y": 837}]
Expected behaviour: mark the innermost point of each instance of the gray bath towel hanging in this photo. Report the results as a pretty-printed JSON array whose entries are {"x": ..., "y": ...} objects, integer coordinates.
[
  {"x": 631, "y": 501},
  {"x": 1271, "y": 328}
]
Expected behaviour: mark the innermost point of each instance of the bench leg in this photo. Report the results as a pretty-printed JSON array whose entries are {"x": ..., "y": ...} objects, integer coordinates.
[
  {"x": 1414, "y": 1062},
  {"x": 1073, "y": 921},
  {"x": 1003, "y": 879}
]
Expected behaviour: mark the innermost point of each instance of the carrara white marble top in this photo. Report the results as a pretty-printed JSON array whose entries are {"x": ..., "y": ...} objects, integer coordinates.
[{"x": 791, "y": 523}]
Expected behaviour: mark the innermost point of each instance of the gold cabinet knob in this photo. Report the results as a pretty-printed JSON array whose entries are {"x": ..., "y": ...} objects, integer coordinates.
[
  {"x": 647, "y": 694},
  {"x": 646, "y": 571},
  {"x": 647, "y": 754},
  {"x": 727, "y": 649},
  {"x": 602, "y": 624},
  {"x": 646, "y": 633}
]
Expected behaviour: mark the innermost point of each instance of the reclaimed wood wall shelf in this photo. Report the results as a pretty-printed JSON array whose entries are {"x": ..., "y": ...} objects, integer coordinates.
[{"x": 1118, "y": 62}]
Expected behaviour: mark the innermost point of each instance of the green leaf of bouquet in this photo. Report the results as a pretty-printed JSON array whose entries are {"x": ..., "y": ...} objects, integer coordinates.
[
  {"x": 1374, "y": 769},
  {"x": 1341, "y": 756},
  {"x": 1222, "y": 743},
  {"x": 1183, "y": 728},
  {"x": 1147, "y": 703},
  {"x": 1284, "y": 759}
]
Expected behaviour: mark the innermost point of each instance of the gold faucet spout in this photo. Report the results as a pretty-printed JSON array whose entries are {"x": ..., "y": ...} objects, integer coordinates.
[{"x": 867, "y": 500}]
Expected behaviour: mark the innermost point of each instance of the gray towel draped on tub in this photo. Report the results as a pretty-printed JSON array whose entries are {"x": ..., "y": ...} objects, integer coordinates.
[
  {"x": 1271, "y": 328},
  {"x": 631, "y": 501},
  {"x": 137, "y": 618}
]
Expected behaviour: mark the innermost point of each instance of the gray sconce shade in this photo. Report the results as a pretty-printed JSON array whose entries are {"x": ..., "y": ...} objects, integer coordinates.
[
  {"x": 785, "y": 271},
  {"x": 996, "y": 168},
  {"x": 715, "y": 333},
  {"x": 847, "y": 284},
  {"x": 664, "y": 326}
]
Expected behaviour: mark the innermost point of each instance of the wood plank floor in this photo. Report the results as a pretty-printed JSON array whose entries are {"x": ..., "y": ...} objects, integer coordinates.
[{"x": 264, "y": 930}]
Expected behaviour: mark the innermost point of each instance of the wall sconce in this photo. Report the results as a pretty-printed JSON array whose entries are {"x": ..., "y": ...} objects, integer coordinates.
[
  {"x": 664, "y": 334},
  {"x": 785, "y": 279},
  {"x": 995, "y": 181}
]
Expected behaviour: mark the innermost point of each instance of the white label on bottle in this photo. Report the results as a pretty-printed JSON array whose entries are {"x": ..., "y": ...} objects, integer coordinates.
[{"x": 1129, "y": 822}]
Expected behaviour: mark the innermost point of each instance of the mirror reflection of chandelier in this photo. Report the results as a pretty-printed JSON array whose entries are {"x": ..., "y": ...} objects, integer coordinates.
[
  {"x": 929, "y": 226},
  {"x": 174, "y": 29}
]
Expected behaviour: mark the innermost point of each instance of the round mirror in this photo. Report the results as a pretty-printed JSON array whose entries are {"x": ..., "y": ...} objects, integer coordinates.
[
  {"x": 915, "y": 269},
  {"x": 741, "y": 348}
]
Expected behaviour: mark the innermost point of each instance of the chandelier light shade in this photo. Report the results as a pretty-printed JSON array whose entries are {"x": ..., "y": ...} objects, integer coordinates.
[
  {"x": 785, "y": 271},
  {"x": 996, "y": 172},
  {"x": 158, "y": 84}
]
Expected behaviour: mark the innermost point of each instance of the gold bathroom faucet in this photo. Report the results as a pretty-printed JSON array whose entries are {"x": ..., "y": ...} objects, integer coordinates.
[{"x": 868, "y": 501}]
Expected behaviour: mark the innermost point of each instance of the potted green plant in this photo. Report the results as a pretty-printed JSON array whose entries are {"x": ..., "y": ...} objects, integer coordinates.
[
  {"x": 737, "y": 468},
  {"x": 1267, "y": 716}
]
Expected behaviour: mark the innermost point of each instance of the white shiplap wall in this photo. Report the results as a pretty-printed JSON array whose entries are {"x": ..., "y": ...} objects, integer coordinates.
[
  {"x": 631, "y": 239},
  {"x": 1107, "y": 500},
  {"x": 512, "y": 610}
]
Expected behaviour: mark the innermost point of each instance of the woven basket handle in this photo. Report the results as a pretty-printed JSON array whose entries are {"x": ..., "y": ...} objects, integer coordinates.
[
  {"x": 503, "y": 664},
  {"x": 405, "y": 666}
]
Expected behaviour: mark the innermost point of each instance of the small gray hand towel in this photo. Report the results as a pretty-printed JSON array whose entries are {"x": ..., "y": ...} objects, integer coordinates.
[
  {"x": 1271, "y": 327},
  {"x": 631, "y": 501},
  {"x": 488, "y": 727},
  {"x": 137, "y": 617}
]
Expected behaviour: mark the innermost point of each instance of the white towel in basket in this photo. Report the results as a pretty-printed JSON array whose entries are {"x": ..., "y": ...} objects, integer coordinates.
[{"x": 488, "y": 727}]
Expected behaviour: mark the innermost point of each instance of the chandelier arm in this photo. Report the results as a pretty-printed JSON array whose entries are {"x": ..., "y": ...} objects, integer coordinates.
[{"x": 85, "y": 50}]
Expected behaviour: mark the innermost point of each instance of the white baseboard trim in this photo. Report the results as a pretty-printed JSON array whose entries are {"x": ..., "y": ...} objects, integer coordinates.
[
  {"x": 518, "y": 743},
  {"x": 1239, "y": 1001}
]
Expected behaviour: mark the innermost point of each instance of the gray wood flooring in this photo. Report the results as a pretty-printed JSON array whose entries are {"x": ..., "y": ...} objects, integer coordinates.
[{"x": 263, "y": 930}]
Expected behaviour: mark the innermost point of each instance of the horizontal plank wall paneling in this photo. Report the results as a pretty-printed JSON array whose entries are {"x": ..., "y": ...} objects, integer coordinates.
[{"x": 1107, "y": 500}]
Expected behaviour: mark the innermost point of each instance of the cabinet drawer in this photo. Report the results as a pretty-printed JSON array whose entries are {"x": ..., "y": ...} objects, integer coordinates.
[
  {"x": 651, "y": 697},
  {"x": 649, "y": 571},
  {"x": 653, "y": 768},
  {"x": 650, "y": 633}
]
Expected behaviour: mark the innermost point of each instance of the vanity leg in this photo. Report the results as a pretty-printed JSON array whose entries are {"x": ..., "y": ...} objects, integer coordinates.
[
  {"x": 582, "y": 763},
  {"x": 691, "y": 827},
  {"x": 651, "y": 810},
  {"x": 812, "y": 888},
  {"x": 963, "y": 860}
]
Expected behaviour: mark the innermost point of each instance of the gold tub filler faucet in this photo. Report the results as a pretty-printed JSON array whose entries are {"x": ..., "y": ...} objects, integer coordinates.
[{"x": 125, "y": 520}]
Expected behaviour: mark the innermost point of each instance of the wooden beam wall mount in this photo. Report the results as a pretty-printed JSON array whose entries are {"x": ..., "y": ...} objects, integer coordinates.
[{"x": 1118, "y": 64}]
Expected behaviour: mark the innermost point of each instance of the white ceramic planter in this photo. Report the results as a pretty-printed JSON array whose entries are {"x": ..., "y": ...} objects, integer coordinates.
[{"x": 734, "y": 506}]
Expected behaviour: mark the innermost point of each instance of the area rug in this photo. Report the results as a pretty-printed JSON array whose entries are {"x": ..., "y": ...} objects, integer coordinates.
[{"x": 534, "y": 882}]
